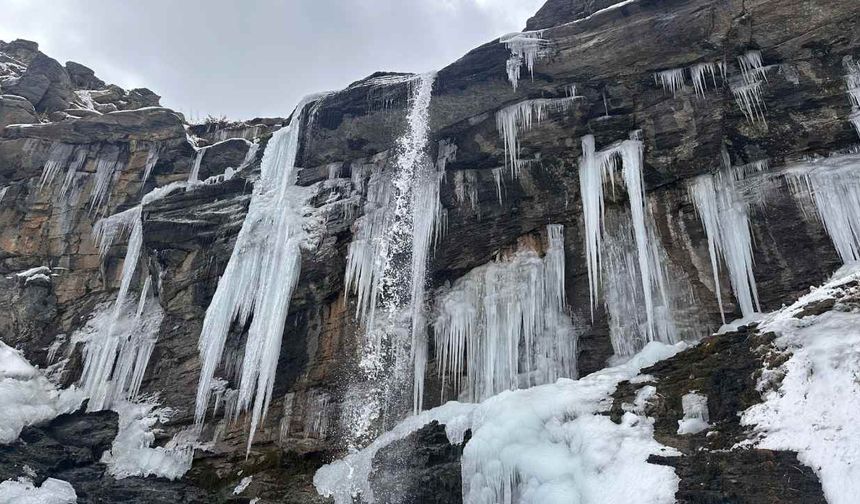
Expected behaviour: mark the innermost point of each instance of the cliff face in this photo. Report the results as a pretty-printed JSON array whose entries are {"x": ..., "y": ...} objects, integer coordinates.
[{"x": 74, "y": 150}]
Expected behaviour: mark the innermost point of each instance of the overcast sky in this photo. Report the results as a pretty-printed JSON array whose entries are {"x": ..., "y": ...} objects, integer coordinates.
[{"x": 248, "y": 58}]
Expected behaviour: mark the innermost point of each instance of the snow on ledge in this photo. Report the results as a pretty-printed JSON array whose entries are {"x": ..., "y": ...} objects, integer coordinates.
[
  {"x": 23, "y": 491},
  {"x": 814, "y": 410}
]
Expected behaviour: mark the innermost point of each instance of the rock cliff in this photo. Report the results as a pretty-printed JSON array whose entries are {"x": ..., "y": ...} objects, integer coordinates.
[{"x": 74, "y": 150}]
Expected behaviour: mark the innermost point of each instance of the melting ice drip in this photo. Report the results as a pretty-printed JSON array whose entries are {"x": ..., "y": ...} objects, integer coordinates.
[
  {"x": 259, "y": 278},
  {"x": 724, "y": 213},
  {"x": 119, "y": 341},
  {"x": 525, "y": 48},
  {"x": 747, "y": 91},
  {"x": 387, "y": 264},
  {"x": 505, "y": 324},
  {"x": 852, "y": 80},
  {"x": 523, "y": 116},
  {"x": 834, "y": 187},
  {"x": 597, "y": 168}
]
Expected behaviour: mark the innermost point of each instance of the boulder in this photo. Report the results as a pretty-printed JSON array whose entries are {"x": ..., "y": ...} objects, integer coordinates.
[
  {"x": 45, "y": 84},
  {"x": 16, "y": 110},
  {"x": 83, "y": 77}
]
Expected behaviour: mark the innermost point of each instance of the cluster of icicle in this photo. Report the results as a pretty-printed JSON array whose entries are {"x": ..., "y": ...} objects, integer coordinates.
[
  {"x": 108, "y": 164},
  {"x": 596, "y": 169},
  {"x": 526, "y": 48},
  {"x": 119, "y": 341},
  {"x": 387, "y": 259},
  {"x": 504, "y": 325},
  {"x": 747, "y": 91},
  {"x": 672, "y": 79},
  {"x": 724, "y": 213},
  {"x": 834, "y": 188},
  {"x": 523, "y": 116},
  {"x": 259, "y": 278}
]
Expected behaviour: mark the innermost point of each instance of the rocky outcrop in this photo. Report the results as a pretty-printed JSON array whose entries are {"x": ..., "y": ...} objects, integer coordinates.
[
  {"x": 16, "y": 110},
  {"x": 45, "y": 84}
]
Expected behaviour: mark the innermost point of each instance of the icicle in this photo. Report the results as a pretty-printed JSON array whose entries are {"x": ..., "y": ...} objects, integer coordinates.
[
  {"x": 73, "y": 169},
  {"x": 260, "y": 277},
  {"x": 699, "y": 73},
  {"x": 497, "y": 175},
  {"x": 852, "y": 81},
  {"x": 151, "y": 160},
  {"x": 521, "y": 117},
  {"x": 3, "y": 191},
  {"x": 106, "y": 168},
  {"x": 58, "y": 158},
  {"x": 748, "y": 93},
  {"x": 110, "y": 229},
  {"x": 194, "y": 176},
  {"x": 525, "y": 50},
  {"x": 833, "y": 186},
  {"x": 672, "y": 80},
  {"x": 505, "y": 324},
  {"x": 724, "y": 215}
]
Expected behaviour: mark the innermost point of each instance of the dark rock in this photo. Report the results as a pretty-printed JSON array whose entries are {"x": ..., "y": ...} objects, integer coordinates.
[
  {"x": 16, "y": 110},
  {"x": 422, "y": 468},
  {"x": 24, "y": 51},
  {"x": 83, "y": 77},
  {"x": 45, "y": 84}
]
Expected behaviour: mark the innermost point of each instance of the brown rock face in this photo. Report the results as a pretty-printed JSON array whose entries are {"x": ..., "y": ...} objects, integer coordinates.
[{"x": 609, "y": 54}]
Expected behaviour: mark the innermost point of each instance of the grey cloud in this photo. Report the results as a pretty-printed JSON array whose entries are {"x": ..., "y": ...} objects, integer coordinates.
[{"x": 245, "y": 59}]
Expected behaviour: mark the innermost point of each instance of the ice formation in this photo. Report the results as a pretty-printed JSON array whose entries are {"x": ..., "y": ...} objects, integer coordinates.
[
  {"x": 623, "y": 291},
  {"x": 748, "y": 90},
  {"x": 151, "y": 160},
  {"x": 194, "y": 175},
  {"x": 813, "y": 410},
  {"x": 596, "y": 169},
  {"x": 526, "y": 48},
  {"x": 24, "y": 491},
  {"x": 118, "y": 340},
  {"x": 834, "y": 187},
  {"x": 27, "y": 396},
  {"x": 132, "y": 453},
  {"x": 725, "y": 216},
  {"x": 548, "y": 444},
  {"x": 505, "y": 324},
  {"x": 695, "y": 407},
  {"x": 852, "y": 81},
  {"x": 259, "y": 278},
  {"x": 672, "y": 80},
  {"x": 523, "y": 116}
]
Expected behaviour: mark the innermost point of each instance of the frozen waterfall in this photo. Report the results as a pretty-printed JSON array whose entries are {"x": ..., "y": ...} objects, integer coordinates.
[{"x": 260, "y": 278}]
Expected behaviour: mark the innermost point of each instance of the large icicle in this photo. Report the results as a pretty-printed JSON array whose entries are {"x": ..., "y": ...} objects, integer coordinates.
[
  {"x": 259, "y": 278},
  {"x": 672, "y": 80},
  {"x": 521, "y": 117},
  {"x": 725, "y": 217},
  {"x": 596, "y": 168},
  {"x": 525, "y": 50},
  {"x": 505, "y": 324}
]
